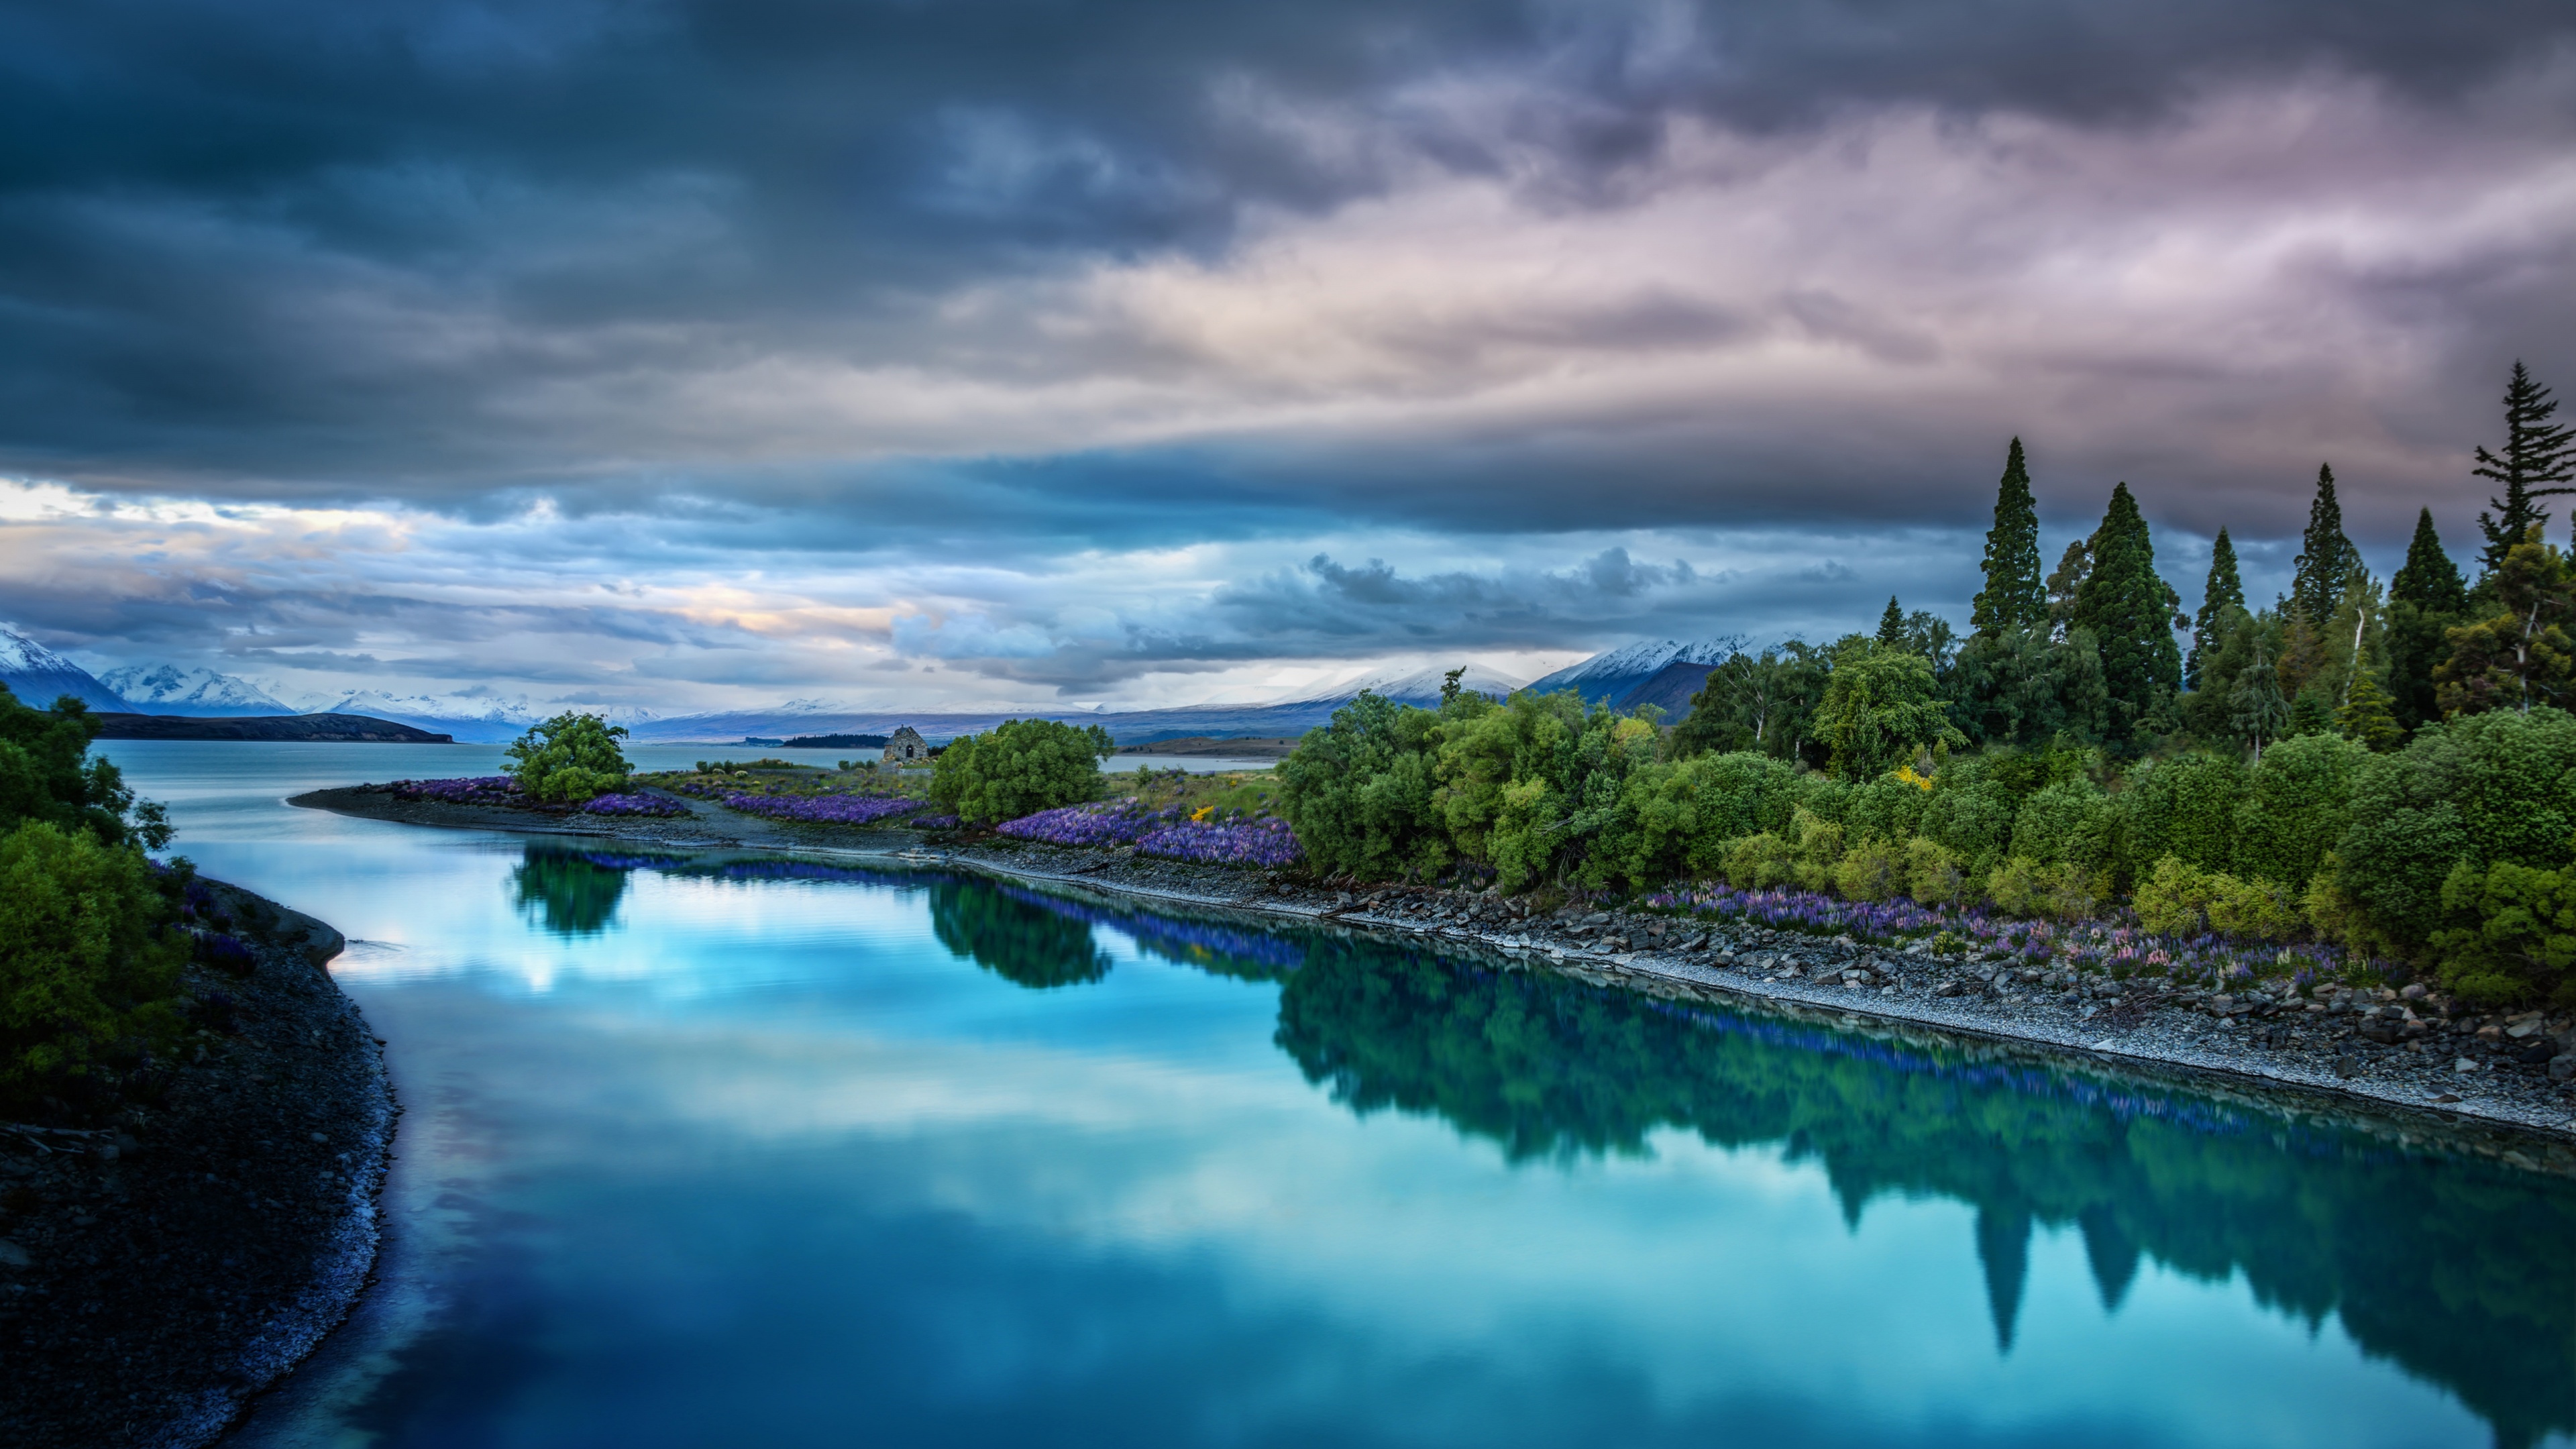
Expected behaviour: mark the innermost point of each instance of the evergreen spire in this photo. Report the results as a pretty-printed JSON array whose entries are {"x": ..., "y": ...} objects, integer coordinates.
[
  {"x": 2535, "y": 454},
  {"x": 2327, "y": 560},
  {"x": 2428, "y": 579},
  {"x": 2014, "y": 597},
  {"x": 1891, "y": 626},
  {"x": 2225, "y": 590},
  {"x": 2131, "y": 613}
]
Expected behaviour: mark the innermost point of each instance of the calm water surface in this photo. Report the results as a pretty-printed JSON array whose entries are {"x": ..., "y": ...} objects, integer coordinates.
[{"x": 723, "y": 1150}]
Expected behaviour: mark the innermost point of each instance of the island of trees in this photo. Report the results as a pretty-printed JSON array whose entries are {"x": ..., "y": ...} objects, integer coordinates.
[{"x": 2386, "y": 766}]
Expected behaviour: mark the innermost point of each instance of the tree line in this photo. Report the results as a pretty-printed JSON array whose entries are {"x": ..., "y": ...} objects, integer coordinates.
[{"x": 2387, "y": 765}]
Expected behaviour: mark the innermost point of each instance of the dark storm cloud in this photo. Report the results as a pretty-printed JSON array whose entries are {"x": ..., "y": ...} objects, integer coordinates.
[{"x": 327, "y": 250}]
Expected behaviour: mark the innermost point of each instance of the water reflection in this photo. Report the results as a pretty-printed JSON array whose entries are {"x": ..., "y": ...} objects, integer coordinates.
[
  {"x": 2453, "y": 1268},
  {"x": 569, "y": 893}
]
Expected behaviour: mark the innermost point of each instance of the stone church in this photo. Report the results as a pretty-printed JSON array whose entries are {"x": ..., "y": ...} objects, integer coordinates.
[{"x": 906, "y": 746}]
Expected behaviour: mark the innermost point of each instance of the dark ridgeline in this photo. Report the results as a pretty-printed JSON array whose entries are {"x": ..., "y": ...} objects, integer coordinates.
[{"x": 303, "y": 728}]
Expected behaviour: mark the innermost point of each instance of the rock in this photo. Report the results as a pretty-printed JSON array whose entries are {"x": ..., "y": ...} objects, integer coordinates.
[
  {"x": 2347, "y": 1065},
  {"x": 2464, "y": 1064},
  {"x": 2562, "y": 1067},
  {"x": 2414, "y": 992},
  {"x": 2523, "y": 1028},
  {"x": 13, "y": 1256},
  {"x": 1953, "y": 988}
]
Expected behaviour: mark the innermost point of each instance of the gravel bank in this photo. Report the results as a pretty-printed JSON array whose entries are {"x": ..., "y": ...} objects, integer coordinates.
[
  {"x": 158, "y": 1269},
  {"x": 2441, "y": 1067}
]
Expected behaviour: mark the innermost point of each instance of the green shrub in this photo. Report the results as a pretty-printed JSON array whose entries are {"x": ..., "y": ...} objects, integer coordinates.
[
  {"x": 2024, "y": 887},
  {"x": 1887, "y": 808},
  {"x": 2179, "y": 898},
  {"x": 1359, "y": 792},
  {"x": 46, "y": 774},
  {"x": 2297, "y": 805},
  {"x": 87, "y": 970},
  {"x": 1881, "y": 709},
  {"x": 1020, "y": 767},
  {"x": 2173, "y": 899},
  {"x": 1933, "y": 876},
  {"x": 2069, "y": 823},
  {"x": 1760, "y": 861},
  {"x": 2183, "y": 807},
  {"x": 1873, "y": 870},
  {"x": 1817, "y": 850},
  {"x": 2513, "y": 935},
  {"x": 2492, "y": 787},
  {"x": 569, "y": 759}
]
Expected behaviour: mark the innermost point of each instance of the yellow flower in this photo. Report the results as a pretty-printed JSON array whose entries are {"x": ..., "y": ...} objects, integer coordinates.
[
  {"x": 1919, "y": 782},
  {"x": 1202, "y": 813}
]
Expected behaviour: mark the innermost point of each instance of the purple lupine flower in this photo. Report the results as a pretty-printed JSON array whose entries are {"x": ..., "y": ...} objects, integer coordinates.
[
  {"x": 824, "y": 809},
  {"x": 622, "y": 804}
]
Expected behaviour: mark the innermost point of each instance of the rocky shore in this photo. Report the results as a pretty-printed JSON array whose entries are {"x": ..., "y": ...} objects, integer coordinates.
[
  {"x": 160, "y": 1266},
  {"x": 2412, "y": 1050}
]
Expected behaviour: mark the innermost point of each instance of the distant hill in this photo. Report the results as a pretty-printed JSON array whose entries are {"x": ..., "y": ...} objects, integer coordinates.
[
  {"x": 39, "y": 676},
  {"x": 1669, "y": 689},
  {"x": 168, "y": 689},
  {"x": 1610, "y": 677},
  {"x": 304, "y": 728}
]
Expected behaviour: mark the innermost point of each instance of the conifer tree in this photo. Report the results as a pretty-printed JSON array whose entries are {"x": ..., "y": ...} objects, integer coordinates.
[
  {"x": 2224, "y": 591},
  {"x": 2428, "y": 579},
  {"x": 2524, "y": 654},
  {"x": 2327, "y": 560},
  {"x": 2131, "y": 613},
  {"x": 2365, "y": 716},
  {"x": 1891, "y": 626},
  {"x": 2426, "y": 598},
  {"x": 2013, "y": 597},
  {"x": 2536, "y": 453}
]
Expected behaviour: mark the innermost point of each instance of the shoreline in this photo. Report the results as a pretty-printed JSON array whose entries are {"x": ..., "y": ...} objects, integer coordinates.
[
  {"x": 163, "y": 1269},
  {"x": 2212, "y": 1048}
]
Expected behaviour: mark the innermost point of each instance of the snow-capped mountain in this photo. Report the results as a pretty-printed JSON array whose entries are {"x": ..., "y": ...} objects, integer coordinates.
[
  {"x": 1417, "y": 686},
  {"x": 39, "y": 676},
  {"x": 472, "y": 719},
  {"x": 1610, "y": 676},
  {"x": 168, "y": 689}
]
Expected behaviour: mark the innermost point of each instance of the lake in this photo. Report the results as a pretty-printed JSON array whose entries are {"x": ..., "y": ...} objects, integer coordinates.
[{"x": 726, "y": 1149}]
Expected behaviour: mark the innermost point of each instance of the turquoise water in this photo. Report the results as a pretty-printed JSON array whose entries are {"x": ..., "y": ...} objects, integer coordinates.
[{"x": 721, "y": 1150}]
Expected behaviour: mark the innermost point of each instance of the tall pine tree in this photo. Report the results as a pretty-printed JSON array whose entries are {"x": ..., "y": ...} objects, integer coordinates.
[
  {"x": 2224, "y": 591},
  {"x": 2536, "y": 454},
  {"x": 2014, "y": 597},
  {"x": 2327, "y": 560},
  {"x": 2130, "y": 612},
  {"x": 2425, "y": 599},
  {"x": 1891, "y": 626}
]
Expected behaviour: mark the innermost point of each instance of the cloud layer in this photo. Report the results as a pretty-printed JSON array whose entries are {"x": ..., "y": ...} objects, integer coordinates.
[{"x": 1142, "y": 349}]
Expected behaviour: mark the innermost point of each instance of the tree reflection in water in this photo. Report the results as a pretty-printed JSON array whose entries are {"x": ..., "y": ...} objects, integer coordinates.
[
  {"x": 568, "y": 892},
  {"x": 2457, "y": 1268}
]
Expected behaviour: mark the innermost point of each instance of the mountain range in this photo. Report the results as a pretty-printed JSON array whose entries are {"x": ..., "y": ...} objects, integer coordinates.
[{"x": 1661, "y": 672}]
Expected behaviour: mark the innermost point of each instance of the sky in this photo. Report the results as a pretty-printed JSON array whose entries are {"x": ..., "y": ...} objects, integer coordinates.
[{"x": 1002, "y": 353}]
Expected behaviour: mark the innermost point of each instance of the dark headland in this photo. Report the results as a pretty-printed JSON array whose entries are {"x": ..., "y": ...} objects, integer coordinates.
[
  {"x": 165, "y": 1259},
  {"x": 306, "y": 728}
]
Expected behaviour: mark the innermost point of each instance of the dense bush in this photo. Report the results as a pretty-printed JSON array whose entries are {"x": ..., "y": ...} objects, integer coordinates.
[
  {"x": 1358, "y": 792},
  {"x": 569, "y": 759},
  {"x": 1020, "y": 767},
  {"x": 46, "y": 774},
  {"x": 86, "y": 967}
]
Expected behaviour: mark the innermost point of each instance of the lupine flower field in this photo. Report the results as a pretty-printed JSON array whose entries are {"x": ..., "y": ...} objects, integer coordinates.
[
  {"x": 824, "y": 809},
  {"x": 1169, "y": 833},
  {"x": 623, "y": 804},
  {"x": 472, "y": 790}
]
